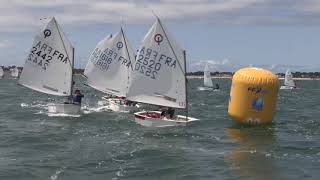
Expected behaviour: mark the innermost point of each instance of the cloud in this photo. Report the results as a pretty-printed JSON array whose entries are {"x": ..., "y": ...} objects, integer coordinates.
[
  {"x": 214, "y": 65},
  {"x": 226, "y": 65},
  {"x": 6, "y": 45},
  {"x": 24, "y": 15},
  {"x": 282, "y": 68}
]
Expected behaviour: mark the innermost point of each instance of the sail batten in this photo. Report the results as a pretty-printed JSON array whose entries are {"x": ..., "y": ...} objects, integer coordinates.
[
  {"x": 48, "y": 66},
  {"x": 158, "y": 77},
  {"x": 109, "y": 65}
]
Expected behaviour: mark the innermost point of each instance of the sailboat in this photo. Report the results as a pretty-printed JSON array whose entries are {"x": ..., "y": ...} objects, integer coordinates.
[
  {"x": 207, "y": 81},
  {"x": 1, "y": 72},
  {"x": 14, "y": 72},
  {"x": 108, "y": 70},
  {"x": 159, "y": 78},
  {"x": 49, "y": 67},
  {"x": 288, "y": 81}
]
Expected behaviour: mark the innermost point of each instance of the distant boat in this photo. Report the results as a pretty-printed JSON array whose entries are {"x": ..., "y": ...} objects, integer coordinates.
[
  {"x": 1, "y": 72},
  {"x": 159, "y": 78},
  {"x": 288, "y": 81},
  {"x": 49, "y": 67},
  {"x": 14, "y": 72},
  {"x": 108, "y": 70},
  {"x": 207, "y": 81}
]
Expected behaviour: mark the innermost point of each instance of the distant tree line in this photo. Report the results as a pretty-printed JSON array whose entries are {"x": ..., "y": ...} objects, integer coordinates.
[
  {"x": 10, "y": 67},
  {"x": 200, "y": 73},
  {"x": 302, "y": 74},
  {"x": 295, "y": 74}
]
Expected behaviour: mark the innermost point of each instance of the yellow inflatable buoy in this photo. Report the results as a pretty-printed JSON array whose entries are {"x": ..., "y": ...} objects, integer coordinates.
[{"x": 253, "y": 96}]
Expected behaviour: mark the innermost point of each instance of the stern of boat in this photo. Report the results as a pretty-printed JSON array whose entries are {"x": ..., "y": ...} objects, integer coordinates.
[
  {"x": 154, "y": 119},
  {"x": 64, "y": 108}
]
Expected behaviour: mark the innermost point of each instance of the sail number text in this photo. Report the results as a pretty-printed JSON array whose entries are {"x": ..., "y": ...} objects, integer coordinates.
[
  {"x": 42, "y": 54},
  {"x": 103, "y": 59},
  {"x": 149, "y": 62}
]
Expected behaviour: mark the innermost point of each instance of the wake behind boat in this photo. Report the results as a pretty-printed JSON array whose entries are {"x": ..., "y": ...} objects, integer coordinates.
[
  {"x": 289, "y": 83},
  {"x": 108, "y": 71},
  {"x": 49, "y": 67},
  {"x": 159, "y": 78}
]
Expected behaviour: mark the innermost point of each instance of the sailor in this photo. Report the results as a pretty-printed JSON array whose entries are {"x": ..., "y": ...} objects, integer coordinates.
[
  {"x": 217, "y": 86},
  {"x": 77, "y": 97},
  {"x": 170, "y": 112},
  {"x": 163, "y": 110},
  {"x": 167, "y": 112},
  {"x": 129, "y": 103}
]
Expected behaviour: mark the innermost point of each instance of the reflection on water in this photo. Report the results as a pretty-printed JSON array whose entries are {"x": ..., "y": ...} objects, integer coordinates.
[{"x": 251, "y": 158}]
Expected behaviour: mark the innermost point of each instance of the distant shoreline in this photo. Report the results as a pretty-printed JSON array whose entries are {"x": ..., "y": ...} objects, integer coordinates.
[
  {"x": 217, "y": 75},
  {"x": 228, "y": 77}
]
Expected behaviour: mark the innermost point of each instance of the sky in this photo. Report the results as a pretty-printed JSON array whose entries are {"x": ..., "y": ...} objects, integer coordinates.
[{"x": 227, "y": 34}]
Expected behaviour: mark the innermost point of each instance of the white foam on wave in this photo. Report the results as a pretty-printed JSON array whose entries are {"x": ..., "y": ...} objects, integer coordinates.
[
  {"x": 40, "y": 112},
  {"x": 35, "y": 104},
  {"x": 57, "y": 173},
  {"x": 24, "y": 105},
  {"x": 88, "y": 110},
  {"x": 63, "y": 115},
  {"x": 102, "y": 103}
]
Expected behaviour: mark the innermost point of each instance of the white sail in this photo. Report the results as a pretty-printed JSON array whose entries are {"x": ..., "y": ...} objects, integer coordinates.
[
  {"x": 1, "y": 71},
  {"x": 14, "y": 72},
  {"x": 48, "y": 67},
  {"x": 109, "y": 65},
  {"x": 159, "y": 71},
  {"x": 207, "y": 81},
  {"x": 288, "y": 80}
]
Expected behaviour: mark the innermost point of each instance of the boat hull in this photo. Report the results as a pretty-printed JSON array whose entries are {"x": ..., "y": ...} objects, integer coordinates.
[
  {"x": 207, "y": 89},
  {"x": 64, "y": 108},
  {"x": 287, "y": 87},
  {"x": 154, "y": 119},
  {"x": 118, "y": 105}
]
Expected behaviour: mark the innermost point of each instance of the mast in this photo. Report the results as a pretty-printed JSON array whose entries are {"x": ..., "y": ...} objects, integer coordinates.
[
  {"x": 174, "y": 53},
  {"x": 186, "y": 81},
  {"x": 71, "y": 88},
  {"x": 64, "y": 47},
  {"x": 125, "y": 43}
]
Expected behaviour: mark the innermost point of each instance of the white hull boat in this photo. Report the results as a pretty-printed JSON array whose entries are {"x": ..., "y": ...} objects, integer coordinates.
[
  {"x": 118, "y": 105},
  {"x": 50, "y": 73},
  {"x": 287, "y": 87},
  {"x": 154, "y": 119},
  {"x": 15, "y": 73},
  {"x": 289, "y": 83},
  {"x": 1, "y": 72},
  {"x": 72, "y": 109},
  {"x": 205, "y": 88},
  {"x": 166, "y": 85},
  {"x": 207, "y": 81},
  {"x": 108, "y": 71}
]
